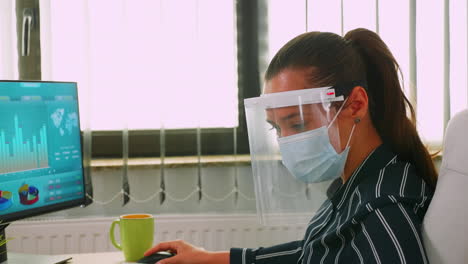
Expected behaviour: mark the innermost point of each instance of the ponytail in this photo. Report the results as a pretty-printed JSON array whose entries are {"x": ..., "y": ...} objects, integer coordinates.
[
  {"x": 362, "y": 55},
  {"x": 389, "y": 105}
]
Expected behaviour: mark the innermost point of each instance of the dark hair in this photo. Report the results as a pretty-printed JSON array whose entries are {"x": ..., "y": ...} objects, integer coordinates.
[{"x": 362, "y": 55}]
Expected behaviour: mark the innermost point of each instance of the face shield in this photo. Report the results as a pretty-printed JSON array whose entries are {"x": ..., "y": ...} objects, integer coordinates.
[{"x": 295, "y": 150}]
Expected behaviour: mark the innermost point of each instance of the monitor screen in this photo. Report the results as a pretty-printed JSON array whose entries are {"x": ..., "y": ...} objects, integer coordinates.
[{"x": 41, "y": 168}]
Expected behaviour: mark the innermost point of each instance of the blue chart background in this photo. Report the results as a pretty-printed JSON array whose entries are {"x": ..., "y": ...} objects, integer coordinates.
[
  {"x": 63, "y": 179},
  {"x": 31, "y": 116}
]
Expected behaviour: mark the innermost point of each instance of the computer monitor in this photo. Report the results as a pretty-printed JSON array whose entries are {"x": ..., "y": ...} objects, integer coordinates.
[{"x": 41, "y": 166}]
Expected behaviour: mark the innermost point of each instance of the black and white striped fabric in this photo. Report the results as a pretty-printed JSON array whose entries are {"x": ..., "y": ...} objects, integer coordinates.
[{"x": 375, "y": 217}]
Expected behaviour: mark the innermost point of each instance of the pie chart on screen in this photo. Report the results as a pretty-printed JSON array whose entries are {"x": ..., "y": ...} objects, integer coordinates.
[
  {"x": 5, "y": 200},
  {"x": 28, "y": 194}
]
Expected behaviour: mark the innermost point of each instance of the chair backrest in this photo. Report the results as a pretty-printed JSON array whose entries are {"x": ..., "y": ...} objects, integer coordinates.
[{"x": 445, "y": 226}]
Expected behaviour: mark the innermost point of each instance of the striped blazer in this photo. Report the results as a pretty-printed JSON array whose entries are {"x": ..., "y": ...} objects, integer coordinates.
[{"x": 375, "y": 217}]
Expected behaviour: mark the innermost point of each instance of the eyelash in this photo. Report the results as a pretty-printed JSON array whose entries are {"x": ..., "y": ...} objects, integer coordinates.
[{"x": 300, "y": 126}]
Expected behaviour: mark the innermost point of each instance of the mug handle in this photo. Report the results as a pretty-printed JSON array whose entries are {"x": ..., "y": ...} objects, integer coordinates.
[{"x": 111, "y": 234}]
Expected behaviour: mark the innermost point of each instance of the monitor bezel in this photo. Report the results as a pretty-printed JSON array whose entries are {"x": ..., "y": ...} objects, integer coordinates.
[{"x": 4, "y": 219}]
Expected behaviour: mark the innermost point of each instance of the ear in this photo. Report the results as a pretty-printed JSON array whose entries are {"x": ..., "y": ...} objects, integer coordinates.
[{"x": 357, "y": 104}]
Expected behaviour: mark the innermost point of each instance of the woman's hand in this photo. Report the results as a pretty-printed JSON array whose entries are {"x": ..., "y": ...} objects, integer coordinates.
[{"x": 188, "y": 254}]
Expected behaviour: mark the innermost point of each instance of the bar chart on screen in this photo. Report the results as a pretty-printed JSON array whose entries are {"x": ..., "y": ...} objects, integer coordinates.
[{"x": 23, "y": 146}]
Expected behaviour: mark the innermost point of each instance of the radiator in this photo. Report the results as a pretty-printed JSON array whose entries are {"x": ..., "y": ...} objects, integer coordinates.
[{"x": 86, "y": 235}]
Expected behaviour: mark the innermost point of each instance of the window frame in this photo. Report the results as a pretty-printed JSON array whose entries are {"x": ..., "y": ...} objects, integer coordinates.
[{"x": 28, "y": 48}]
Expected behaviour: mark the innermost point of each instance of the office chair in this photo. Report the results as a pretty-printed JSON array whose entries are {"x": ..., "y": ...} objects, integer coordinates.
[{"x": 445, "y": 226}]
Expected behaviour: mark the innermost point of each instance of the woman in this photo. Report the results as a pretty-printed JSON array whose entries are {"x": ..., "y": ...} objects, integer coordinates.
[{"x": 388, "y": 179}]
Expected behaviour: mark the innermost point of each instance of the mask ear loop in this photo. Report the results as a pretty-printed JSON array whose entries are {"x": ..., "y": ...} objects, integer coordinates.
[
  {"x": 337, "y": 113},
  {"x": 356, "y": 121}
]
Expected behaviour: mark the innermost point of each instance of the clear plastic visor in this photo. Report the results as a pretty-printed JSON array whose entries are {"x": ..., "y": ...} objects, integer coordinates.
[{"x": 283, "y": 129}]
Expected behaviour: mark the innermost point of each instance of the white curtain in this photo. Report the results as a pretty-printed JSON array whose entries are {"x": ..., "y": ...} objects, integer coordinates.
[
  {"x": 8, "y": 49},
  {"x": 147, "y": 62}
]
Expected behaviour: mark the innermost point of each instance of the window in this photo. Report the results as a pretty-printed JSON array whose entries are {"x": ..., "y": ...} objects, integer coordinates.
[
  {"x": 151, "y": 63},
  {"x": 8, "y": 57}
]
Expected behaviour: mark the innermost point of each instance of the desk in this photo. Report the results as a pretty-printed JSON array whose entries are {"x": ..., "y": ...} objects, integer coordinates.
[{"x": 88, "y": 258}]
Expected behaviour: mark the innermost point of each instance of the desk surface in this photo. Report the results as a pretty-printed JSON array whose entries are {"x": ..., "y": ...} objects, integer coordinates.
[{"x": 104, "y": 258}]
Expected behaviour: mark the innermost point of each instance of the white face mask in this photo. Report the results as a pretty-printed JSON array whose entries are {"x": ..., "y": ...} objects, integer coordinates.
[{"x": 310, "y": 157}]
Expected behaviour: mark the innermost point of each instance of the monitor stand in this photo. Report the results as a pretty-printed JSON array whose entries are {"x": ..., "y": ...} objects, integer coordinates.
[{"x": 3, "y": 249}]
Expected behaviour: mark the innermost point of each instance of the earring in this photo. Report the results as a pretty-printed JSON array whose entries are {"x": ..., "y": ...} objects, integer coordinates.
[{"x": 357, "y": 120}]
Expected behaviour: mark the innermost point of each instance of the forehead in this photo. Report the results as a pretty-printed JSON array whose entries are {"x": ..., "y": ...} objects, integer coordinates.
[
  {"x": 289, "y": 79},
  {"x": 290, "y": 112}
]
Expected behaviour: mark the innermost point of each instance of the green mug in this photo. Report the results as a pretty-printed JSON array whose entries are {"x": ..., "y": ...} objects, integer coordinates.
[{"x": 136, "y": 235}]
